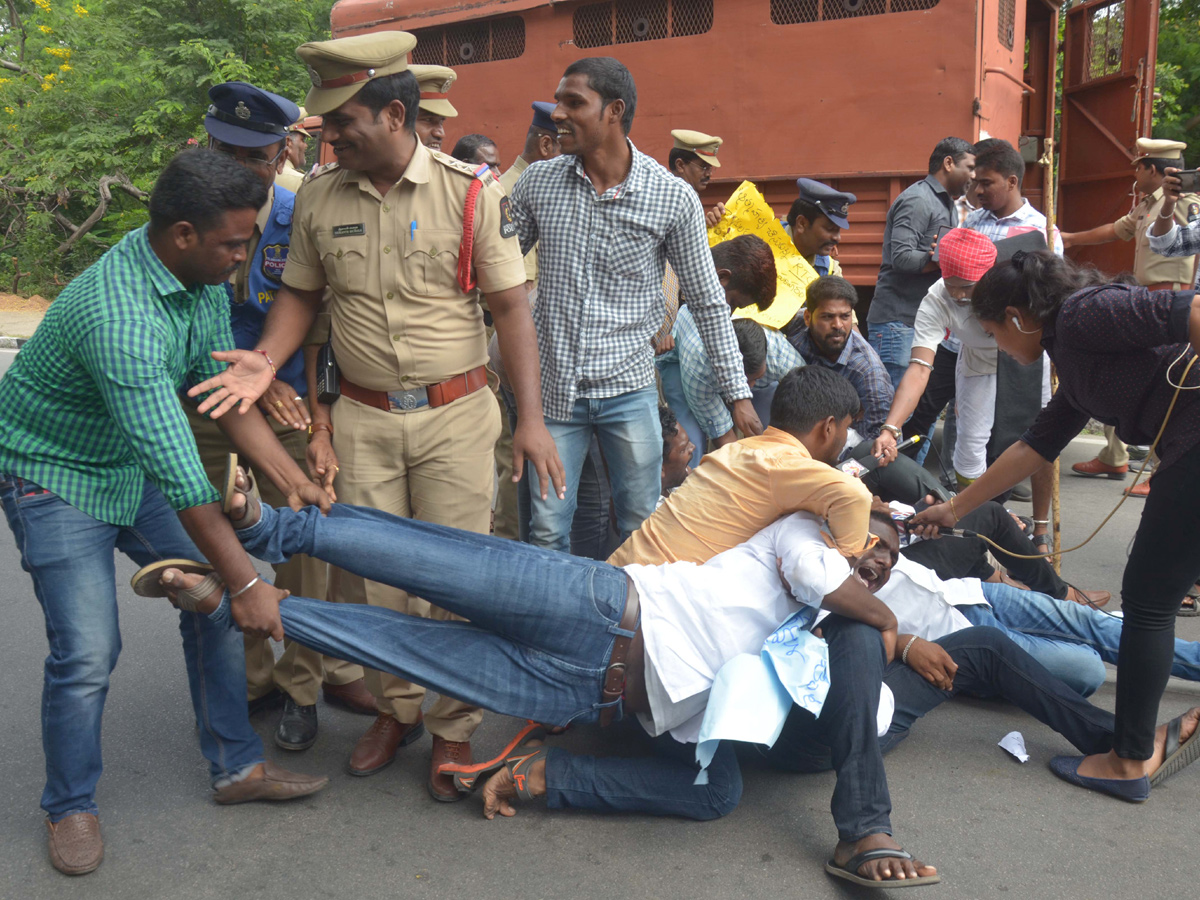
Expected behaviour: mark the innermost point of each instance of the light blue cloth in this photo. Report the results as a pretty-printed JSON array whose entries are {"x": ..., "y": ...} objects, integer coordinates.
[{"x": 752, "y": 695}]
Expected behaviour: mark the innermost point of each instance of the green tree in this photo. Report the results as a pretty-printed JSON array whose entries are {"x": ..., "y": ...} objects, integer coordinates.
[
  {"x": 1177, "y": 77},
  {"x": 95, "y": 95}
]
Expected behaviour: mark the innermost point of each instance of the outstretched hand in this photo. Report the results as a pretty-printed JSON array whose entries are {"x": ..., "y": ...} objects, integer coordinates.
[{"x": 247, "y": 378}]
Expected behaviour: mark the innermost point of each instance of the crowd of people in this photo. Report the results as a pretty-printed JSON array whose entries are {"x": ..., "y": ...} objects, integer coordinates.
[{"x": 503, "y": 437}]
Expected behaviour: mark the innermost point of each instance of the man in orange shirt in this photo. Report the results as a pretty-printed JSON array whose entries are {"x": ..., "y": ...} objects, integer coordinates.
[{"x": 742, "y": 487}]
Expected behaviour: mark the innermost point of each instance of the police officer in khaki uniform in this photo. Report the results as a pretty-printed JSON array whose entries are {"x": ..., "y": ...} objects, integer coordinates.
[
  {"x": 250, "y": 125},
  {"x": 291, "y": 176},
  {"x": 414, "y": 428},
  {"x": 436, "y": 108},
  {"x": 1149, "y": 268},
  {"x": 694, "y": 156}
]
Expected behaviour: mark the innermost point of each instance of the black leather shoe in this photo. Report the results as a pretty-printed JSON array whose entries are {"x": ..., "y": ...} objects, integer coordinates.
[{"x": 297, "y": 727}]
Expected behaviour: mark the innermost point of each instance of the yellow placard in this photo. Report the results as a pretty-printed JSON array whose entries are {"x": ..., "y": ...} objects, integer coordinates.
[{"x": 747, "y": 212}]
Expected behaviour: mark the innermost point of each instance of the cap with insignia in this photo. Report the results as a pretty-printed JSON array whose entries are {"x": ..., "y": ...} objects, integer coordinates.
[
  {"x": 834, "y": 204},
  {"x": 298, "y": 125},
  {"x": 542, "y": 116},
  {"x": 435, "y": 84},
  {"x": 339, "y": 68},
  {"x": 703, "y": 145},
  {"x": 1160, "y": 149},
  {"x": 242, "y": 115}
]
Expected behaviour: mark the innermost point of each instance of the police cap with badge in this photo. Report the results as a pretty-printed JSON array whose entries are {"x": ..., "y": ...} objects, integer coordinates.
[
  {"x": 703, "y": 145},
  {"x": 543, "y": 118},
  {"x": 1154, "y": 148},
  {"x": 834, "y": 205},
  {"x": 340, "y": 68},
  {"x": 435, "y": 82},
  {"x": 242, "y": 115}
]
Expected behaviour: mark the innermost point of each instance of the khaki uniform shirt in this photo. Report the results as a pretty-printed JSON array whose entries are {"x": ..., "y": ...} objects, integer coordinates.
[
  {"x": 398, "y": 318},
  {"x": 1148, "y": 266},
  {"x": 507, "y": 180},
  {"x": 290, "y": 177}
]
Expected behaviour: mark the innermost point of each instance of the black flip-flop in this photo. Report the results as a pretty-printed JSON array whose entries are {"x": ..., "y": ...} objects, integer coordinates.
[
  {"x": 1179, "y": 755},
  {"x": 849, "y": 872}
]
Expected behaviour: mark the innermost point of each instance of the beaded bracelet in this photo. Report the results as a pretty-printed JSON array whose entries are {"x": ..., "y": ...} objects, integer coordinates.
[
  {"x": 270, "y": 362},
  {"x": 904, "y": 655}
]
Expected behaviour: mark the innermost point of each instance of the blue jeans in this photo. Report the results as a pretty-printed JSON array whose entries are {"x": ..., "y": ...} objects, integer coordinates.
[
  {"x": 630, "y": 437},
  {"x": 542, "y": 624},
  {"x": 1070, "y": 640},
  {"x": 538, "y": 645},
  {"x": 893, "y": 342},
  {"x": 69, "y": 555}
]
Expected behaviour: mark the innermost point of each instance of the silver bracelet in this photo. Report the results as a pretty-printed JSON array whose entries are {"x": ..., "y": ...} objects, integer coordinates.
[
  {"x": 893, "y": 429},
  {"x": 920, "y": 362},
  {"x": 1040, "y": 521},
  {"x": 904, "y": 655},
  {"x": 253, "y": 581}
]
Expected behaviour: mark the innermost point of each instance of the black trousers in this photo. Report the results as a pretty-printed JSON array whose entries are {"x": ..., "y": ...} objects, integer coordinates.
[
  {"x": 1163, "y": 564},
  {"x": 952, "y": 557}
]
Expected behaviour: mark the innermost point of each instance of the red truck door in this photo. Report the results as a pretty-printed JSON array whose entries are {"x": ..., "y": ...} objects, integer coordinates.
[{"x": 1108, "y": 98}]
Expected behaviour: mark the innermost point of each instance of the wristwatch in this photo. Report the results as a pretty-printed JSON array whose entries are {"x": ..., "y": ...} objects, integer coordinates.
[{"x": 896, "y": 432}]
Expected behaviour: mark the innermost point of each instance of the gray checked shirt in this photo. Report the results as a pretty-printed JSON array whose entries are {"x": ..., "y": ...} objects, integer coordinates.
[{"x": 601, "y": 261}]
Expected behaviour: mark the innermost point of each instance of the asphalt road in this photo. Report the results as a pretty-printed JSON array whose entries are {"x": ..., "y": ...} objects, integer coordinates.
[{"x": 994, "y": 827}]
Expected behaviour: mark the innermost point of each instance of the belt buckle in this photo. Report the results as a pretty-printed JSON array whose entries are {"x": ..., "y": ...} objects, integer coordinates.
[{"x": 406, "y": 401}]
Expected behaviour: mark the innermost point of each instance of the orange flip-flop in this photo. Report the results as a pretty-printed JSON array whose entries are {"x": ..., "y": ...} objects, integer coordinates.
[{"x": 468, "y": 777}]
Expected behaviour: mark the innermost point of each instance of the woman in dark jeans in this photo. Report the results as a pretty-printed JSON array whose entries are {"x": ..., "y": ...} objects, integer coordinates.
[{"x": 1115, "y": 346}]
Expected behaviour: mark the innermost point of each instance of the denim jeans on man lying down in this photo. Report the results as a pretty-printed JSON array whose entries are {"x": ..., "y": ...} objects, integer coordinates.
[
  {"x": 1071, "y": 640},
  {"x": 540, "y": 640},
  {"x": 69, "y": 556}
]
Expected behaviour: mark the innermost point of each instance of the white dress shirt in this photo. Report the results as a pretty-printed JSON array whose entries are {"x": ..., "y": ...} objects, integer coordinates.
[{"x": 924, "y": 604}]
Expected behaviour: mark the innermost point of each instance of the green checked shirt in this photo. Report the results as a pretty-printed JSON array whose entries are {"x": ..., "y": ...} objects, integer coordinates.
[{"x": 90, "y": 408}]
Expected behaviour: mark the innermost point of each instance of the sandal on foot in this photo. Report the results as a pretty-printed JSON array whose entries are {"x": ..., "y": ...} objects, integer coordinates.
[
  {"x": 1131, "y": 790},
  {"x": 252, "y": 511},
  {"x": 1179, "y": 755},
  {"x": 849, "y": 871},
  {"x": 147, "y": 581},
  {"x": 1189, "y": 606},
  {"x": 516, "y": 752},
  {"x": 1041, "y": 541}
]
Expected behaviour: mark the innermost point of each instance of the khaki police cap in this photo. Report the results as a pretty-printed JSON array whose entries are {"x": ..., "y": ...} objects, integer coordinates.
[
  {"x": 298, "y": 125},
  {"x": 1160, "y": 149},
  {"x": 339, "y": 68},
  {"x": 435, "y": 84},
  {"x": 703, "y": 145}
]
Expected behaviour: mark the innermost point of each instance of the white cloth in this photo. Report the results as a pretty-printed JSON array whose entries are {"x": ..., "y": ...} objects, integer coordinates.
[
  {"x": 696, "y": 618},
  {"x": 939, "y": 313},
  {"x": 924, "y": 604},
  {"x": 975, "y": 411}
]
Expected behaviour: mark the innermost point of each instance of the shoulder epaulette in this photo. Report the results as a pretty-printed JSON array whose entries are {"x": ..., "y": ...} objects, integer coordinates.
[
  {"x": 483, "y": 172},
  {"x": 318, "y": 171}
]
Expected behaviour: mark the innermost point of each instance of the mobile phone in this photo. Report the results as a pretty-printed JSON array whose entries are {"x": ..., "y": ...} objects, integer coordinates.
[
  {"x": 942, "y": 231},
  {"x": 328, "y": 377},
  {"x": 1189, "y": 179}
]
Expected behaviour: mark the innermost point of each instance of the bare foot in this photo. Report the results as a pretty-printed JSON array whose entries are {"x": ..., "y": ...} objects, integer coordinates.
[
  {"x": 174, "y": 580},
  {"x": 1109, "y": 765},
  {"x": 500, "y": 789},
  {"x": 889, "y": 869}
]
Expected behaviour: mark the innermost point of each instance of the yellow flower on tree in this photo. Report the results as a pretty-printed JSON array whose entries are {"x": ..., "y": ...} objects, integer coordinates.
[
  {"x": 43, "y": 5},
  {"x": 45, "y": 29},
  {"x": 79, "y": 10},
  {"x": 64, "y": 68}
]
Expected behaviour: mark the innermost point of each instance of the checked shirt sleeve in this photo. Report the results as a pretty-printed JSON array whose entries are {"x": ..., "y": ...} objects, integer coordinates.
[
  {"x": 874, "y": 387},
  {"x": 782, "y": 357},
  {"x": 700, "y": 388},
  {"x": 1178, "y": 241},
  {"x": 527, "y": 229},
  {"x": 125, "y": 360},
  {"x": 687, "y": 252}
]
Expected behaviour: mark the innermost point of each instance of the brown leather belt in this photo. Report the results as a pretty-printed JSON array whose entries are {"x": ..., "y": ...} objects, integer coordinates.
[
  {"x": 433, "y": 395},
  {"x": 1168, "y": 286},
  {"x": 614, "y": 676}
]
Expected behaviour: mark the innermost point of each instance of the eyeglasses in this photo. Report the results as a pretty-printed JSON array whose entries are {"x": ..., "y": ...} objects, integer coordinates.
[{"x": 254, "y": 163}]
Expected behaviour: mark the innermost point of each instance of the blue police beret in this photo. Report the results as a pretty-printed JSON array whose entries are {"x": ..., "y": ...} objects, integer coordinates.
[
  {"x": 541, "y": 116},
  {"x": 834, "y": 204},
  {"x": 242, "y": 115}
]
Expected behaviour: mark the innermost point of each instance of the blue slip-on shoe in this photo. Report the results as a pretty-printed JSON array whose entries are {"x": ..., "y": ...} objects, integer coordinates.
[{"x": 1131, "y": 790}]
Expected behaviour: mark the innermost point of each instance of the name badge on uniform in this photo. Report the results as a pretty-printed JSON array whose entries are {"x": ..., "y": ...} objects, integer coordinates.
[
  {"x": 1193, "y": 212},
  {"x": 274, "y": 259},
  {"x": 508, "y": 225},
  {"x": 349, "y": 230}
]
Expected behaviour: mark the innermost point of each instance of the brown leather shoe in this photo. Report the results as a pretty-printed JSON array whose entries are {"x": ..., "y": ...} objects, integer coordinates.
[
  {"x": 1093, "y": 468},
  {"x": 1141, "y": 489},
  {"x": 1088, "y": 598},
  {"x": 270, "y": 782},
  {"x": 353, "y": 696},
  {"x": 441, "y": 787},
  {"x": 75, "y": 845},
  {"x": 377, "y": 747}
]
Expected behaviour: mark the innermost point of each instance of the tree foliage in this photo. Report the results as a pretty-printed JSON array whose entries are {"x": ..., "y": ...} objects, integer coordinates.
[
  {"x": 1177, "y": 77},
  {"x": 95, "y": 88}
]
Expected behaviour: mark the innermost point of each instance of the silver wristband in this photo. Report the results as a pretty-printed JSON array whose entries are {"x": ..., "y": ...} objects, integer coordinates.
[
  {"x": 904, "y": 655},
  {"x": 251, "y": 583}
]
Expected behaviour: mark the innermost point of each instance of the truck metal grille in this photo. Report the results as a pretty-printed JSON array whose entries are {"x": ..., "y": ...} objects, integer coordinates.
[
  {"x": 629, "y": 21},
  {"x": 486, "y": 40},
  {"x": 795, "y": 12}
]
